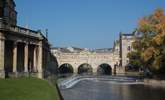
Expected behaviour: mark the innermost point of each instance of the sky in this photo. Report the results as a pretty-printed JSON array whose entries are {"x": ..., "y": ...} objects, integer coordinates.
[{"x": 84, "y": 23}]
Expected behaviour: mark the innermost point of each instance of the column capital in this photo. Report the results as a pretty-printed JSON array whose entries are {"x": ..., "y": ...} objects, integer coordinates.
[
  {"x": 40, "y": 44},
  {"x": 2, "y": 37},
  {"x": 26, "y": 44}
]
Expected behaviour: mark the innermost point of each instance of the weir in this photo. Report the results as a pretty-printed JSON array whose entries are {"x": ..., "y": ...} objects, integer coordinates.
[
  {"x": 108, "y": 88},
  {"x": 73, "y": 80}
]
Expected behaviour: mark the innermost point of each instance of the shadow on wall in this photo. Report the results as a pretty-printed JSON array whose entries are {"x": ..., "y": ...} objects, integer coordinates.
[{"x": 52, "y": 66}]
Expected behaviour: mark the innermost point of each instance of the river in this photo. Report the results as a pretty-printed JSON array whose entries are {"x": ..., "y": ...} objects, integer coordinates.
[{"x": 108, "y": 90}]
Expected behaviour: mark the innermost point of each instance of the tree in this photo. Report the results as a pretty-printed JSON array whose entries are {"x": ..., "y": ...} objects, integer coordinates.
[
  {"x": 134, "y": 61},
  {"x": 150, "y": 42}
]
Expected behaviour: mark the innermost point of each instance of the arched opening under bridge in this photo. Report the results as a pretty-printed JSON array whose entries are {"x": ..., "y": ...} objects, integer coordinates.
[
  {"x": 85, "y": 69},
  {"x": 66, "y": 69},
  {"x": 104, "y": 69}
]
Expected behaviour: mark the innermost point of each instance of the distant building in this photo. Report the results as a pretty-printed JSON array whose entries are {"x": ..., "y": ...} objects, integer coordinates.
[{"x": 126, "y": 41}]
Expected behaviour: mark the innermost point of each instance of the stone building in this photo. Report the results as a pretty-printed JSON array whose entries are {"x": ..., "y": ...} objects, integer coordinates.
[
  {"x": 22, "y": 50},
  {"x": 125, "y": 47}
]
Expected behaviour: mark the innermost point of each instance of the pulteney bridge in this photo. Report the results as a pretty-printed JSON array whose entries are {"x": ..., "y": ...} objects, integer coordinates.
[{"x": 86, "y": 61}]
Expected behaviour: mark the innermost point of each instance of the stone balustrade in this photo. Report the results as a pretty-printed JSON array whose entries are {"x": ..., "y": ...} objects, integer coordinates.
[{"x": 25, "y": 31}]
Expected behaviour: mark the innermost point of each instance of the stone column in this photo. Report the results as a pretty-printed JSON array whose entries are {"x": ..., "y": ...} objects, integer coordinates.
[
  {"x": 40, "y": 57},
  {"x": 2, "y": 55},
  {"x": 35, "y": 59},
  {"x": 95, "y": 70},
  {"x": 26, "y": 58},
  {"x": 15, "y": 58},
  {"x": 75, "y": 69}
]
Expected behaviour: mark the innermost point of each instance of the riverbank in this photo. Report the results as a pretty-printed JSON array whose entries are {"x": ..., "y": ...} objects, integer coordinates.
[
  {"x": 155, "y": 83},
  {"x": 27, "y": 89}
]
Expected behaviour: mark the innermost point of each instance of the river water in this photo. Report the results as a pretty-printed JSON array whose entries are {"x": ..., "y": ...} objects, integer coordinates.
[{"x": 107, "y": 90}]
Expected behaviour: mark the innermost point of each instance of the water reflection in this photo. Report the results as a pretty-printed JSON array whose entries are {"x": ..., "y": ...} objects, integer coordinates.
[{"x": 105, "y": 90}]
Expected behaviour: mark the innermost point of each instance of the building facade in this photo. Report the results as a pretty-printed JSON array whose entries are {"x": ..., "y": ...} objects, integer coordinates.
[
  {"x": 22, "y": 50},
  {"x": 126, "y": 41}
]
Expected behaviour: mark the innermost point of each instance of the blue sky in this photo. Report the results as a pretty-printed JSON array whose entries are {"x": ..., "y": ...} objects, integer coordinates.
[{"x": 84, "y": 23}]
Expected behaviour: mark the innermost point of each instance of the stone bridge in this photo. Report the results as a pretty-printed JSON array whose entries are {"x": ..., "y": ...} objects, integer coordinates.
[{"x": 86, "y": 61}]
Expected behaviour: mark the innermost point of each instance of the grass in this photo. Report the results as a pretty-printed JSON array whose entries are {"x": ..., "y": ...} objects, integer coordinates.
[{"x": 27, "y": 89}]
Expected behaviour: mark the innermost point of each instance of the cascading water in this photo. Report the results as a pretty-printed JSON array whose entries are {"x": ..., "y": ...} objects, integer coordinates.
[
  {"x": 70, "y": 82},
  {"x": 108, "y": 88}
]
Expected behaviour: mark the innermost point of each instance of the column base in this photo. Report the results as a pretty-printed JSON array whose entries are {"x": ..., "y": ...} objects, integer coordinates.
[
  {"x": 26, "y": 74},
  {"x": 12, "y": 75},
  {"x": 40, "y": 75},
  {"x": 2, "y": 74}
]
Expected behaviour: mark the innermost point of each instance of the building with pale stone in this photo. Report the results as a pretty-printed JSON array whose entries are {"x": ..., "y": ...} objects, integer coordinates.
[
  {"x": 126, "y": 41},
  {"x": 22, "y": 50}
]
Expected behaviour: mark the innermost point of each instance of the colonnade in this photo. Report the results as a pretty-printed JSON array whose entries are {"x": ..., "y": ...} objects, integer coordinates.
[
  {"x": 32, "y": 58},
  {"x": 20, "y": 57}
]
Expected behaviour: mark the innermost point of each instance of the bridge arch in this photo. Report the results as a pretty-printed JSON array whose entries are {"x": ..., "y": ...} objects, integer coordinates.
[
  {"x": 104, "y": 69},
  {"x": 66, "y": 68},
  {"x": 85, "y": 68}
]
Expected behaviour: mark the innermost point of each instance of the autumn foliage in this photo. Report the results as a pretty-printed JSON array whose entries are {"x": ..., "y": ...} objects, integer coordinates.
[{"x": 150, "y": 42}]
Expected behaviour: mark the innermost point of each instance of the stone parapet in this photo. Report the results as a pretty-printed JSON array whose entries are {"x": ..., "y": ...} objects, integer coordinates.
[{"x": 25, "y": 31}]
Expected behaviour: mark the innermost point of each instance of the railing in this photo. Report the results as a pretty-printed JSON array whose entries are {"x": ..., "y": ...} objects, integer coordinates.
[
  {"x": 25, "y": 31},
  {"x": 20, "y": 30}
]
